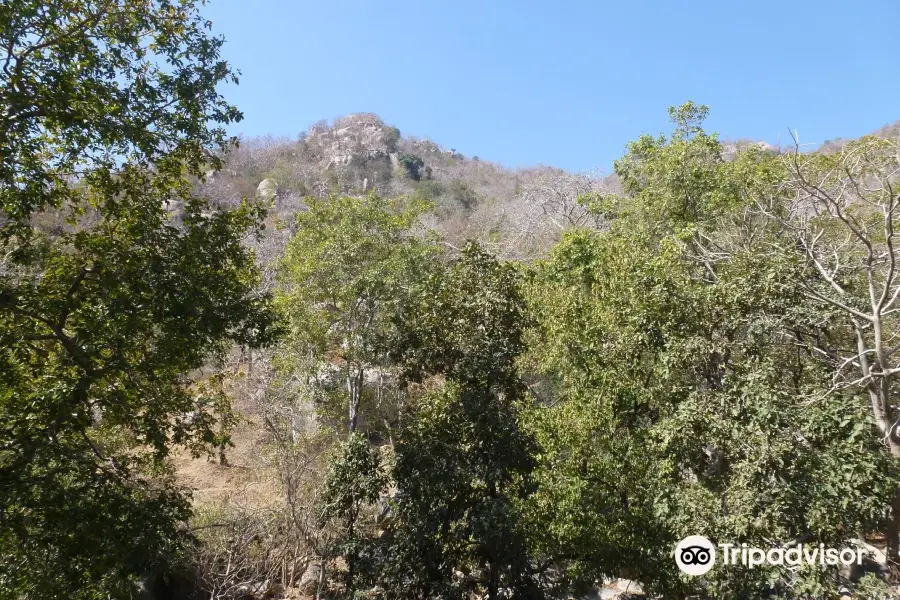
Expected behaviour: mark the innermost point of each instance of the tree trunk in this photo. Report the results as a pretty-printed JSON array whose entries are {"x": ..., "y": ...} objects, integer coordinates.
[
  {"x": 354, "y": 390},
  {"x": 879, "y": 391},
  {"x": 321, "y": 586},
  {"x": 493, "y": 585},
  {"x": 892, "y": 543},
  {"x": 222, "y": 459},
  {"x": 351, "y": 559},
  {"x": 892, "y": 551}
]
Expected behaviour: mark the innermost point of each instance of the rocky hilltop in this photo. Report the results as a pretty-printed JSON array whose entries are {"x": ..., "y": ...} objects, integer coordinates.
[{"x": 517, "y": 212}]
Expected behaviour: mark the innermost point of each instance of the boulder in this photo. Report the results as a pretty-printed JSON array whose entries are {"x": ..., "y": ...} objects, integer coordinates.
[
  {"x": 267, "y": 189},
  {"x": 617, "y": 589},
  {"x": 309, "y": 582}
]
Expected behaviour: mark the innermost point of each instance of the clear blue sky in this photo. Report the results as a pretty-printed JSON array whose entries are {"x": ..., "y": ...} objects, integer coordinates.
[{"x": 563, "y": 83}]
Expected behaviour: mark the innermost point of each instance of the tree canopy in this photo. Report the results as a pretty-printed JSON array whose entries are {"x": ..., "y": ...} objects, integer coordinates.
[
  {"x": 706, "y": 345},
  {"x": 105, "y": 303}
]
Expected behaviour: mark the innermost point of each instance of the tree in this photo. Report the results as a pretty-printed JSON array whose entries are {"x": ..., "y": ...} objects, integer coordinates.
[
  {"x": 105, "y": 304},
  {"x": 546, "y": 206},
  {"x": 839, "y": 213},
  {"x": 391, "y": 138},
  {"x": 355, "y": 481},
  {"x": 462, "y": 461},
  {"x": 86, "y": 84},
  {"x": 344, "y": 274},
  {"x": 412, "y": 164},
  {"x": 681, "y": 393},
  {"x": 463, "y": 195}
]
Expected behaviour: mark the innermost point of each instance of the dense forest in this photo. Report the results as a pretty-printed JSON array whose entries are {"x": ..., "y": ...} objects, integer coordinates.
[{"x": 355, "y": 364}]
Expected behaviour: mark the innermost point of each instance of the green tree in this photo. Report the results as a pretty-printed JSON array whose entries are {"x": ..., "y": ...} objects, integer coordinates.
[
  {"x": 85, "y": 85},
  {"x": 683, "y": 398},
  {"x": 105, "y": 305},
  {"x": 391, "y": 138},
  {"x": 355, "y": 481},
  {"x": 344, "y": 274},
  {"x": 413, "y": 165},
  {"x": 462, "y": 461},
  {"x": 463, "y": 195}
]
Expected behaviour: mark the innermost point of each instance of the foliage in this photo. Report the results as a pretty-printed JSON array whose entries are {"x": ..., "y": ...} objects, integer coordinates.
[
  {"x": 343, "y": 275},
  {"x": 355, "y": 480},
  {"x": 412, "y": 164},
  {"x": 841, "y": 217},
  {"x": 463, "y": 195},
  {"x": 462, "y": 460},
  {"x": 106, "y": 109},
  {"x": 681, "y": 346},
  {"x": 430, "y": 191},
  {"x": 712, "y": 351},
  {"x": 689, "y": 364},
  {"x": 391, "y": 138},
  {"x": 87, "y": 85},
  {"x": 682, "y": 401},
  {"x": 871, "y": 587}
]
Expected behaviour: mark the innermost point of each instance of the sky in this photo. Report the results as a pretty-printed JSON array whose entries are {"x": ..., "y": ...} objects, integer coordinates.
[{"x": 564, "y": 83}]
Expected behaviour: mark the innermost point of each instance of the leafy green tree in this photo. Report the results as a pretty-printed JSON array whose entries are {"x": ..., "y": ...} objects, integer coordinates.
[
  {"x": 462, "y": 461},
  {"x": 413, "y": 165},
  {"x": 463, "y": 195},
  {"x": 85, "y": 85},
  {"x": 105, "y": 305},
  {"x": 355, "y": 481},
  {"x": 343, "y": 276},
  {"x": 681, "y": 401}
]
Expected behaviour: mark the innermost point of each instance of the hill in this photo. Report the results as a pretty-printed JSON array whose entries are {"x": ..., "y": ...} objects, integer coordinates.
[{"x": 516, "y": 212}]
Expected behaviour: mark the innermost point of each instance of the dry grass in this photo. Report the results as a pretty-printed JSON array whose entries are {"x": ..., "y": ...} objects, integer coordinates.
[{"x": 249, "y": 472}]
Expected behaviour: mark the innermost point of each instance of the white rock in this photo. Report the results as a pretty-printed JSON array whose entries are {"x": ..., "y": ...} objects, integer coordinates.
[{"x": 267, "y": 189}]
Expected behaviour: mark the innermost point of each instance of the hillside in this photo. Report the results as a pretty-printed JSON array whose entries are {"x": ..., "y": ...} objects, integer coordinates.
[
  {"x": 519, "y": 214},
  {"x": 358, "y": 365},
  {"x": 887, "y": 132},
  {"x": 516, "y": 212}
]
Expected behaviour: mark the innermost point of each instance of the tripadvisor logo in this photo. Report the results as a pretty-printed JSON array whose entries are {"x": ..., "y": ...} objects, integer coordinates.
[{"x": 696, "y": 555}]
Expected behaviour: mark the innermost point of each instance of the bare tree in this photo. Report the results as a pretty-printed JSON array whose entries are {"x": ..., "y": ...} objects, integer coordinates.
[
  {"x": 548, "y": 203},
  {"x": 554, "y": 199},
  {"x": 247, "y": 551}
]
